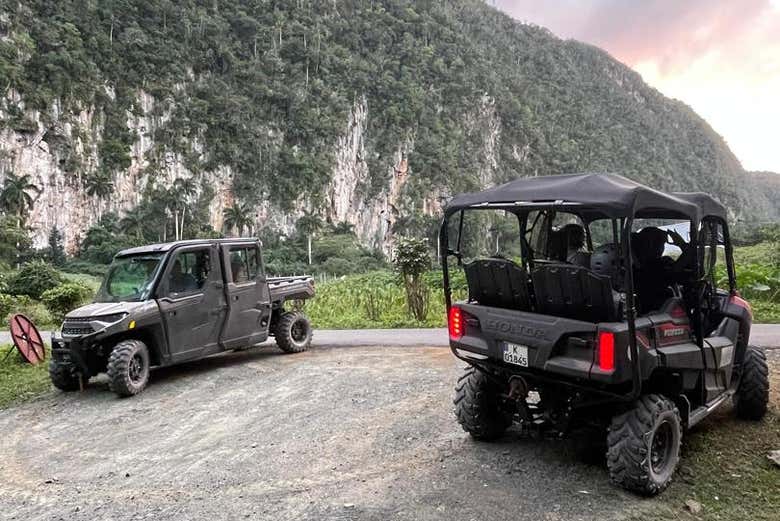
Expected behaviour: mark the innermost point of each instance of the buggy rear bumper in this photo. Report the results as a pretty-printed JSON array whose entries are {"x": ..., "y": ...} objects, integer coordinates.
[{"x": 557, "y": 348}]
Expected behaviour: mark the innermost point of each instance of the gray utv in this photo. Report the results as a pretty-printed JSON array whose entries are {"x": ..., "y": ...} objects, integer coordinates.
[
  {"x": 585, "y": 310},
  {"x": 165, "y": 304}
]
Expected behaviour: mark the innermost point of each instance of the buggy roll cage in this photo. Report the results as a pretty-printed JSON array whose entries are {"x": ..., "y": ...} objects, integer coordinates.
[
  {"x": 519, "y": 208},
  {"x": 696, "y": 208}
]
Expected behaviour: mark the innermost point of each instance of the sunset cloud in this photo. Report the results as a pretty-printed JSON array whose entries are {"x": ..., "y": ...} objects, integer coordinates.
[{"x": 720, "y": 56}]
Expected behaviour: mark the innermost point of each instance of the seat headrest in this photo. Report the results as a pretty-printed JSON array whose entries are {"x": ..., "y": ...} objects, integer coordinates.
[{"x": 605, "y": 261}]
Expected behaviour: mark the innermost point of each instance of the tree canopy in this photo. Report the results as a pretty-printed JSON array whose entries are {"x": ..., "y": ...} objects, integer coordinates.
[{"x": 266, "y": 86}]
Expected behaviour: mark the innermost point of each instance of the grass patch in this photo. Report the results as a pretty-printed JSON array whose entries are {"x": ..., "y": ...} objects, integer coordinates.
[
  {"x": 19, "y": 380},
  {"x": 373, "y": 300},
  {"x": 765, "y": 312},
  {"x": 763, "y": 252},
  {"x": 725, "y": 467}
]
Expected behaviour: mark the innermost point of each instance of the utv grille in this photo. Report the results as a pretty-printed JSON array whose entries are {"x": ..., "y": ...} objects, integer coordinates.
[{"x": 76, "y": 328}]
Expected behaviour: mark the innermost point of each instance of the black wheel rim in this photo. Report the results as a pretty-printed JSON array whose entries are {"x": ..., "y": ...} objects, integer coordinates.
[
  {"x": 298, "y": 331},
  {"x": 661, "y": 447},
  {"x": 136, "y": 369}
]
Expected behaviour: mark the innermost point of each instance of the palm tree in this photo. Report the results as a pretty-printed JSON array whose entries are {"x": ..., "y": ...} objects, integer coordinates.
[
  {"x": 309, "y": 224},
  {"x": 99, "y": 184},
  {"x": 133, "y": 223},
  {"x": 181, "y": 192},
  {"x": 160, "y": 201},
  {"x": 15, "y": 197},
  {"x": 236, "y": 217}
]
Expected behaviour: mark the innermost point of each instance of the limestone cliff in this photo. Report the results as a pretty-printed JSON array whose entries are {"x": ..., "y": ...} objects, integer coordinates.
[{"x": 62, "y": 200}]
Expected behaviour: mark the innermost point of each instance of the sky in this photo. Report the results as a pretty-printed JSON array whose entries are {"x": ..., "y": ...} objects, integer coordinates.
[{"x": 721, "y": 57}]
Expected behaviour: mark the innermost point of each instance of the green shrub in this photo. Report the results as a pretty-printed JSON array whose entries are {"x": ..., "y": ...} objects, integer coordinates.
[
  {"x": 755, "y": 281},
  {"x": 66, "y": 297},
  {"x": 32, "y": 309},
  {"x": 337, "y": 266},
  {"x": 6, "y": 305},
  {"x": 33, "y": 279},
  {"x": 411, "y": 259},
  {"x": 4, "y": 276}
]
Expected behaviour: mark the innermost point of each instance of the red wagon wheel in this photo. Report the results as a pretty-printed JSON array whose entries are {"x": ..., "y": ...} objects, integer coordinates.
[{"x": 27, "y": 339}]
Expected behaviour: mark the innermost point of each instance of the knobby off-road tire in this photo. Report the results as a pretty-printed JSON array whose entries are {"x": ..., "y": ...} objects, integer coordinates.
[
  {"x": 64, "y": 376},
  {"x": 752, "y": 396},
  {"x": 128, "y": 367},
  {"x": 644, "y": 445},
  {"x": 478, "y": 406},
  {"x": 293, "y": 332}
]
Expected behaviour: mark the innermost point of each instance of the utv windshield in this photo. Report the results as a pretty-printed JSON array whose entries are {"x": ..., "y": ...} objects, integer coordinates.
[{"x": 130, "y": 278}]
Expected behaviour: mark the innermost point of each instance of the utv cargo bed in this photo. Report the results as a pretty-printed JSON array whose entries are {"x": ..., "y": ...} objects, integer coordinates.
[{"x": 290, "y": 288}]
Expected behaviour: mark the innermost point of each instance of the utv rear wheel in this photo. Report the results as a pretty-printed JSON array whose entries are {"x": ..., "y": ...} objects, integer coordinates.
[
  {"x": 479, "y": 407},
  {"x": 752, "y": 396},
  {"x": 644, "y": 445},
  {"x": 64, "y": 376},
  {"x": 128, "y": 367},
  {"x": 293, "y": 332}
]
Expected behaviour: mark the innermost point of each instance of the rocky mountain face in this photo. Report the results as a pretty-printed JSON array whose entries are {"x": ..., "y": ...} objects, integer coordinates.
[
  {"x": 371, "y": 113},
  {"x": 62, "y": 199}
]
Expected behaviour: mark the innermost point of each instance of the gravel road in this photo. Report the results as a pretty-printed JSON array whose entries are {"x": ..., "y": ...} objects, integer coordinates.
[
  {"x": 362, "y": 433},
  {"x": 365, "y": 433}
]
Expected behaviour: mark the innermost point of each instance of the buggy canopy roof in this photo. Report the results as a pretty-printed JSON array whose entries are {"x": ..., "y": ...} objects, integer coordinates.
[{"x": 593, "y": 196}]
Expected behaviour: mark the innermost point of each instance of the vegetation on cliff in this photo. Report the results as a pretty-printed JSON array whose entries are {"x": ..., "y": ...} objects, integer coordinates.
[{"x": 265, "y": 87}]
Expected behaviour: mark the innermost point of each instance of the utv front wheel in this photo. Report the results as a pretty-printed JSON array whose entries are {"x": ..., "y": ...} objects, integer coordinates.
[
  {"x": 128, "y": 367},
  {"x": 64, "y": 376},
  {"x": 752, "y": 396},
  {"x": 479, "y": 407},
  {"x": 293, "y": 332},
  {"x": 644, "y": 445}
]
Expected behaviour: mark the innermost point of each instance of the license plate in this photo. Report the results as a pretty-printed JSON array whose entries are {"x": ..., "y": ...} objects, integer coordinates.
[{"x": 515, "y": 354}]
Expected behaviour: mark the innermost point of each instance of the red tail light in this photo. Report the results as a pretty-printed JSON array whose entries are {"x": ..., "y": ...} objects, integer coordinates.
[
  {"x": 455, "y": 323},
  {"x": 606, "y": 350}
]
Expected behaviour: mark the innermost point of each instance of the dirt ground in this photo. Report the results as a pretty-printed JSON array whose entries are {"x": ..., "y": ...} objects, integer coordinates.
[{"x": 333, "y": 434}]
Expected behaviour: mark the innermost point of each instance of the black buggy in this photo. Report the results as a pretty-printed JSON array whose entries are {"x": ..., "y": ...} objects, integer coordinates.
[{"x": 588, "y": 310}]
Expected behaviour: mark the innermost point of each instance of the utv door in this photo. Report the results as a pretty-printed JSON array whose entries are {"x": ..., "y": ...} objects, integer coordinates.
[
  {"x": 192, "y": 302},
  {"x": 249, "y": 302}
]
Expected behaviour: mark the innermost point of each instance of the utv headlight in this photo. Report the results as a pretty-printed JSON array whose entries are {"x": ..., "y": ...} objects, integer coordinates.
[{"x": 110, "y": 319}]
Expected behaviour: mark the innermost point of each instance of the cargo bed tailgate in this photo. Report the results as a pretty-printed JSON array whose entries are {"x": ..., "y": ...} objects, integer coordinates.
[{"x": 290, "y": 288}]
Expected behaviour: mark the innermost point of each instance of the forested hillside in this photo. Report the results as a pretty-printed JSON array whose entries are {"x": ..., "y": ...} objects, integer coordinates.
[{"x": 366, "y": 111}]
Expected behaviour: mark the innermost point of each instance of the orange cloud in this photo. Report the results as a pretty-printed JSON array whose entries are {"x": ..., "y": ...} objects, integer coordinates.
[{"x": 721, "y": 57}]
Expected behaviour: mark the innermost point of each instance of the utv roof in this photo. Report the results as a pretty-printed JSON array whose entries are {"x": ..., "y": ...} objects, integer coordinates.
[
  {"x": 166, "y": 246},
  {"x": 595, "y": 196}
]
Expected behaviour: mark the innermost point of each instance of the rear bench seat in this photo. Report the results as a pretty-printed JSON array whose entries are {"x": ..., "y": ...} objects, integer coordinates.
[
  {"x": 560, "y": 289},
  {"x": 570, "y": 291},
  {"x": 498, "y": 283}
]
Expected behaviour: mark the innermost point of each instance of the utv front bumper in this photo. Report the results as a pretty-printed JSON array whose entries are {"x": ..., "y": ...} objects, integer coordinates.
[
  {"x": 84, "y": 353},
  {"x": 83, "y": 343}
]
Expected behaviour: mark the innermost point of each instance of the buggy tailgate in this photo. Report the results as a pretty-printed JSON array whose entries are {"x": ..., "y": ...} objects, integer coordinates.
[
  {"x": 290, "y": 288},
  {"x": 555, "y": 344}
]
